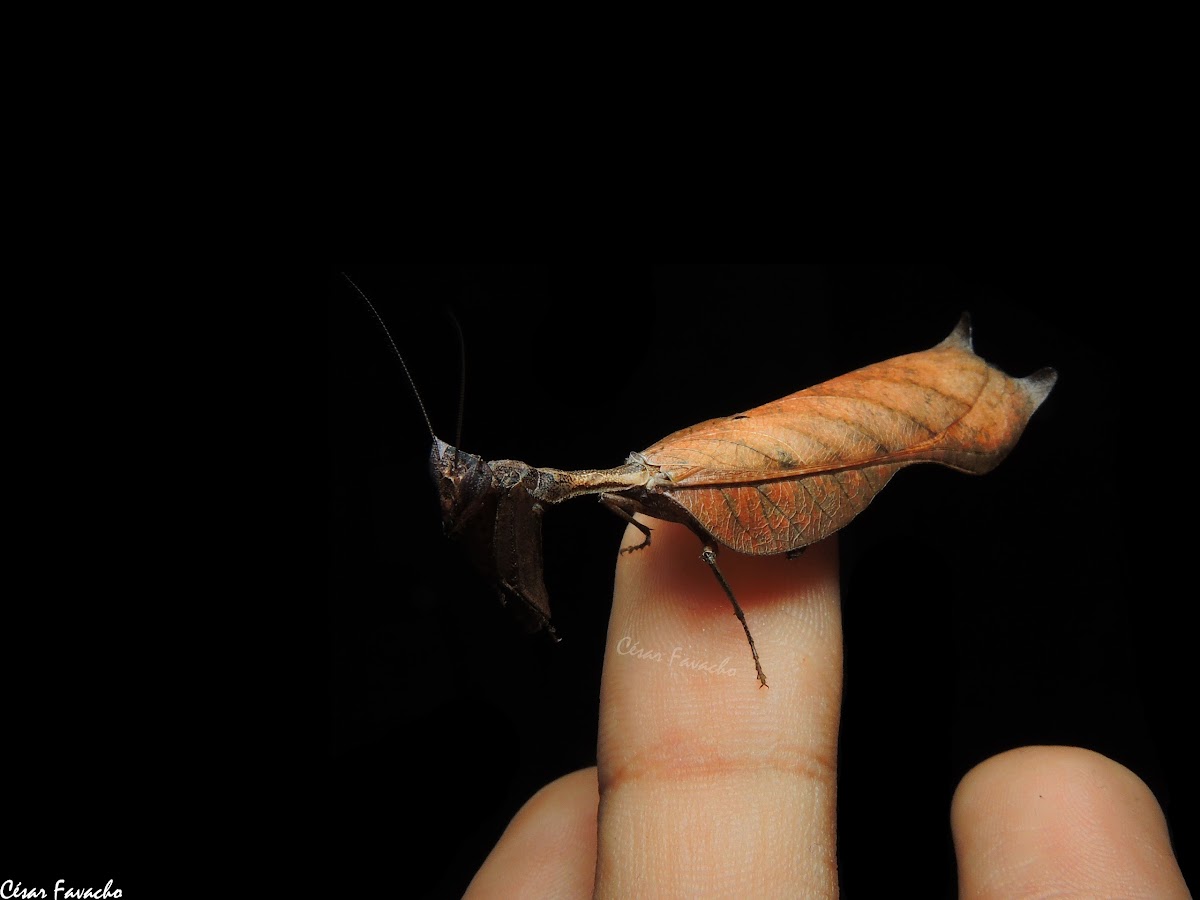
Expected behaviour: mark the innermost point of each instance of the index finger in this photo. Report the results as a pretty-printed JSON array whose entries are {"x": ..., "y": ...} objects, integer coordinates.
[{"x": 710, "y": 784}]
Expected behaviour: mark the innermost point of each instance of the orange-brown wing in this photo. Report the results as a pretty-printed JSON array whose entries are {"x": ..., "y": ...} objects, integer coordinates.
[{"x": 789, "y": 473}]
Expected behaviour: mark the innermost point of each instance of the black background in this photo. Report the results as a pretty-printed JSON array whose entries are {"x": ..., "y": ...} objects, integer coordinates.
[{"x": 981, "y": 614}]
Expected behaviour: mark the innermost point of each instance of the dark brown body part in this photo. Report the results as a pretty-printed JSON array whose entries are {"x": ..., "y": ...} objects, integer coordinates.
[{"x": 770, "y": 480}]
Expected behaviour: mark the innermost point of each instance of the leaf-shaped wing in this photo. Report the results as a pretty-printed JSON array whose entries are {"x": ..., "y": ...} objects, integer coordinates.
[{"x": 789, "y": 473}]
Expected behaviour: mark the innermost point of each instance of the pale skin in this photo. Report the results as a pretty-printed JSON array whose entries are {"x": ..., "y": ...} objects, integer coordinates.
[{"x": 676, "y": 808}]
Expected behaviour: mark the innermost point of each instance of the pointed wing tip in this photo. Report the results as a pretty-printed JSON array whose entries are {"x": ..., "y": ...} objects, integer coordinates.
[
  {"x": 961, "y": 335},
  {"x": 1039, "y": 384}
]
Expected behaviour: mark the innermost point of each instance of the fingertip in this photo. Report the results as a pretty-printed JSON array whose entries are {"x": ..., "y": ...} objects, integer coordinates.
[
  {"x": 549, "y": 848},
  {"x": 1060, "y": 819},
  {"x": 1069, "y": 776},
  {"x": 666, "y": 597}
]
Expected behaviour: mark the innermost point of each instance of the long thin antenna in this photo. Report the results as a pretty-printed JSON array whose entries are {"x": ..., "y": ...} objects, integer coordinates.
[
  {"x": 462, "y": 378},
  {"x": 396, "y": 349}
]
